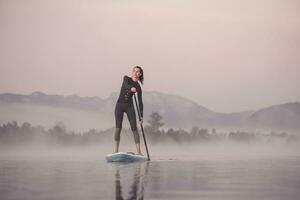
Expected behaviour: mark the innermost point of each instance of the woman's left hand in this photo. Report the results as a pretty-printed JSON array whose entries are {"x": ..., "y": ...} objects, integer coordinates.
[{"x": 141, "y": 121}]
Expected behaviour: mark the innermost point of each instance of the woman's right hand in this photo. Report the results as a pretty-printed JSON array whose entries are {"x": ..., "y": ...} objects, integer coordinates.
[{"x": 133, "y": 89}]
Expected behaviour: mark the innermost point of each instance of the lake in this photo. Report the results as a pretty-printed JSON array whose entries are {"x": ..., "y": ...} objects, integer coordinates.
[{"x": 165, "y": 177}]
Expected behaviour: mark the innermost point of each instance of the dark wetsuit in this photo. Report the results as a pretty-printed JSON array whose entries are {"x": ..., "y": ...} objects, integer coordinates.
[{"x": 125, "y": 104}]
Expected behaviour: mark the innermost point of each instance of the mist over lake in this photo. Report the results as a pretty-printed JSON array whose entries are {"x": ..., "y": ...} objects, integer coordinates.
[
  {"x": 37, "y": 162},
  {"x": 201, "y": 163}
]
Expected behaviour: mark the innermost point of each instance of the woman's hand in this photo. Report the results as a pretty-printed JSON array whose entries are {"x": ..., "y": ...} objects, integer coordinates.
[
  {"x": 133, "y": 89},
  {"x": 141, "y": 121}
]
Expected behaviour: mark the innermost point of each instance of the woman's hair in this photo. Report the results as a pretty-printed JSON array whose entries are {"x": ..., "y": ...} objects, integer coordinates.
[{"x": 141, "y": 79}]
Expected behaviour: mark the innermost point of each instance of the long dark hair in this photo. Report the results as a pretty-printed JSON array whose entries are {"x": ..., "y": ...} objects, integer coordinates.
[{"x": 141, "y": 79}]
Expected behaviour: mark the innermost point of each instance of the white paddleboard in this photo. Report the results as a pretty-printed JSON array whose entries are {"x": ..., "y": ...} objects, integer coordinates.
[{"x": 125, "y": 157}]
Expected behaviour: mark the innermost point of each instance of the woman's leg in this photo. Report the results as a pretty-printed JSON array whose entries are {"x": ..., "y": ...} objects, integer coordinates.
[
  {"x": 119, "y": 119},
  {"x": 138, "y": 148},
  {"x": 132, "y": 120},
  {"x": 117, "y": 139}
]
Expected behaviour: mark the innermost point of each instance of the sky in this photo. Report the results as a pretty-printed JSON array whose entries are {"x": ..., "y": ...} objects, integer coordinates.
[{"x": 226, "y": 55}]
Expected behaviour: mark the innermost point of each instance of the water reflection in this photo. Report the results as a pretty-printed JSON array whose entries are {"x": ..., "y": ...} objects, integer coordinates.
[{"x": 123, "y": 174}]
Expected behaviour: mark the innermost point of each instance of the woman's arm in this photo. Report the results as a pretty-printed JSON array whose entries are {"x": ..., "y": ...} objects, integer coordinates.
[{"x": 126, "y": 83}]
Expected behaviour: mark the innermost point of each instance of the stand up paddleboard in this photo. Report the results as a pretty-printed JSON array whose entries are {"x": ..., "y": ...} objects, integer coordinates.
[{"x": 125, "y": 157}]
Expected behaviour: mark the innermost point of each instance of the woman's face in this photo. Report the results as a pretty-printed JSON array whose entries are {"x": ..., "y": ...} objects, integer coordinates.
[{"x": 136, "y": 72}]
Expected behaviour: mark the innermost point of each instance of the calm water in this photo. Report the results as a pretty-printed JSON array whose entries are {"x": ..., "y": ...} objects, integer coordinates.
[{"x": 249, "y": 177}]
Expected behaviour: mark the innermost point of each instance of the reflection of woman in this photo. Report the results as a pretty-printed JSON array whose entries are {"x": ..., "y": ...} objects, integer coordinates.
[
  {"x": 125, "y": 104},
  {"x": 136, "y": 190}
]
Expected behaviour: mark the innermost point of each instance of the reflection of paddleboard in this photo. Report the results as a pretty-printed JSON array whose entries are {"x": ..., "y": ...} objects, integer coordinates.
[{"x": 125, "y": 157}]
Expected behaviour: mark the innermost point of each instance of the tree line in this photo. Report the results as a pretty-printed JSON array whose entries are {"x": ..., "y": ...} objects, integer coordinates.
[{"x": 12, "y": 134}]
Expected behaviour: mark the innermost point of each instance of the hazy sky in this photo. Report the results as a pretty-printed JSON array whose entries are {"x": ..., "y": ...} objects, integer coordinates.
[{"x": 227, "y": 55}]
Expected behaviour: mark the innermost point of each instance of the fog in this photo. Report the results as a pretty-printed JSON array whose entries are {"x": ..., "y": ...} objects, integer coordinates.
[
  {"x": 30, "y": 142},
  {"x": 73, "y": 166},
  {"x": 48, "y": 116},
  {"x": 160, "y": 152}
]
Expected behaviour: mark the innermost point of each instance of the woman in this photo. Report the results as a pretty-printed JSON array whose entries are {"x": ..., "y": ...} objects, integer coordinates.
[{"x": 125, "y": 104}]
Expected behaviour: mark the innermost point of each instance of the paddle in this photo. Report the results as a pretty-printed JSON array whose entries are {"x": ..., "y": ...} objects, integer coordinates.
[{"x": 138, "y": 111}]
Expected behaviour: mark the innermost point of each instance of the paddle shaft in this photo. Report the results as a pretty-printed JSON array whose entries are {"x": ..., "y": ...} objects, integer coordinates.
[{"x": 138, "y": 111}]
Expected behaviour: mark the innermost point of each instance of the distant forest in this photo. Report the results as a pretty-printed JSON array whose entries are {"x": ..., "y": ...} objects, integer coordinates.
[{"x": 13, "y": 134}]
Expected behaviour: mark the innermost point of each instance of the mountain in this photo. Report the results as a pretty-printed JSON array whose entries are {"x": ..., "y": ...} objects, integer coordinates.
[
  {"x": 284, "y": 116},
  {"x": 39, "y": 98},
  {"x": 84, "y": 113}
]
